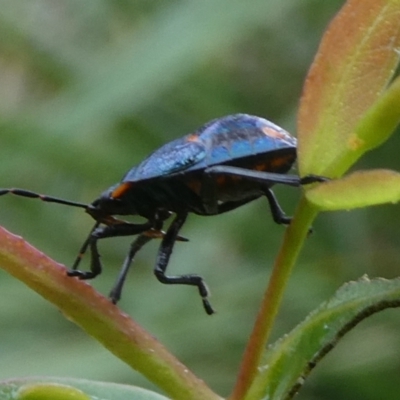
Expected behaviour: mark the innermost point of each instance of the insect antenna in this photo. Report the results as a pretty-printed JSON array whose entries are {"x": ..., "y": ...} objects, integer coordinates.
[{"x": 49, "y": 199}]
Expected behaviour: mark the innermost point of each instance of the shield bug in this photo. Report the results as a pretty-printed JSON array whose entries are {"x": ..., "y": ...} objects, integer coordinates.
[{"x": 227, "y": 163}]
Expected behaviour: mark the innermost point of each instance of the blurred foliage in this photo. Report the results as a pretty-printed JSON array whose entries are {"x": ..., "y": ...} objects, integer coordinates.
[{"x": 90, "y": 88}]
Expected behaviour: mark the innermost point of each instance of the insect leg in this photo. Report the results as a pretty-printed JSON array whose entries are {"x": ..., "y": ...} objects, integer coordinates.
[
  {"x": 136, "y": 245},
  {"x": 73, "y": 271},
  {"x": 264, "y": 177},
  {"x": 163, "y": 257},
  {"x": 278, "y": 214},
  {"x": 120, "y": 229},
  {"x": 305, "y": 180}
]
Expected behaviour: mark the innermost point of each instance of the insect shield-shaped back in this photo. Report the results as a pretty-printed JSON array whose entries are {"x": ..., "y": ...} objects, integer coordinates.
[{"x": 225, "y": 164}]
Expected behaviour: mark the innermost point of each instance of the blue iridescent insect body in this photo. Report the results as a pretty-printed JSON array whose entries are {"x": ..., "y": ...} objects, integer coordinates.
[
  {"x": 178, "y": 174},
  {"x": 224, "y": 165}
]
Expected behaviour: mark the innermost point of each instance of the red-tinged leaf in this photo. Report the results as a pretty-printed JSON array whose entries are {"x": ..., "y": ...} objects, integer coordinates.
[
  {"x": 356, "y": 59},
  {"x": 360, "y": 189},
  {"x": 95, "y": 314}
]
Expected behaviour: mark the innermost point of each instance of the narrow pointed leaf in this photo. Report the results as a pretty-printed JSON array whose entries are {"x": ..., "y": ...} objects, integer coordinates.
[{"x": 296, "y": 354}]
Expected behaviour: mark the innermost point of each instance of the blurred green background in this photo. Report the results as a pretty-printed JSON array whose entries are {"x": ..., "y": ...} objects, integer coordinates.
[{"x": 90, "y": 88}]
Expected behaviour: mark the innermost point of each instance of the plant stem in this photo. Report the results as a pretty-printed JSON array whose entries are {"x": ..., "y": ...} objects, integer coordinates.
[
  {"x": 294, "y": 237},
  {"x": 101, "y": 319}
]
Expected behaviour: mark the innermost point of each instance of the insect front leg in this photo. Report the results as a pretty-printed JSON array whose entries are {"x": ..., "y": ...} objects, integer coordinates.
[
  {"x": 163, "y": 257},
  {"x": 74, "y": 269},
  {"x": 119, "y": 229}
]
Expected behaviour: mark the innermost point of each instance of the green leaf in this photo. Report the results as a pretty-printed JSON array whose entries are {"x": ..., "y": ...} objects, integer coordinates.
[
  {"x": 290, "y": 360},
  {"x": 374, "y": 128},
  {"x": 360, "y": 189},
  {"x": 50, "y": 391},
  {"x": 49, "y": 388},
  {"x": 354, "y": 64}
]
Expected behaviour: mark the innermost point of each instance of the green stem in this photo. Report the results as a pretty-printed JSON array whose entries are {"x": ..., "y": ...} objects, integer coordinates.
[{"x": 293, "y": 240}]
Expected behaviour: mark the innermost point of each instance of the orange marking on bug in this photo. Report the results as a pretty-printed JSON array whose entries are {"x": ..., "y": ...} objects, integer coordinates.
[
  {"x": 261, "y": 167},
  {"x": 193, "y": 138},
  {"x": 283, "y": 160},
  {"x": 121, "y": 189},
  {"x": 273, "y": 133},
  {"x": 273, "y": 164}
]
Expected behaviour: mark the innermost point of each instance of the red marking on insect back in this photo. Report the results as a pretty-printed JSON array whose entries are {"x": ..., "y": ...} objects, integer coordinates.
[
  {"x": 121, "y": 189},
  {"x": 273, "y": 133}
]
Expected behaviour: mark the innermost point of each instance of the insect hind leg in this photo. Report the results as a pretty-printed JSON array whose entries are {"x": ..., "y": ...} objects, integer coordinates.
[
  {"x": 278, "y": 214},
  {"x": 269, "y": 178}
]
